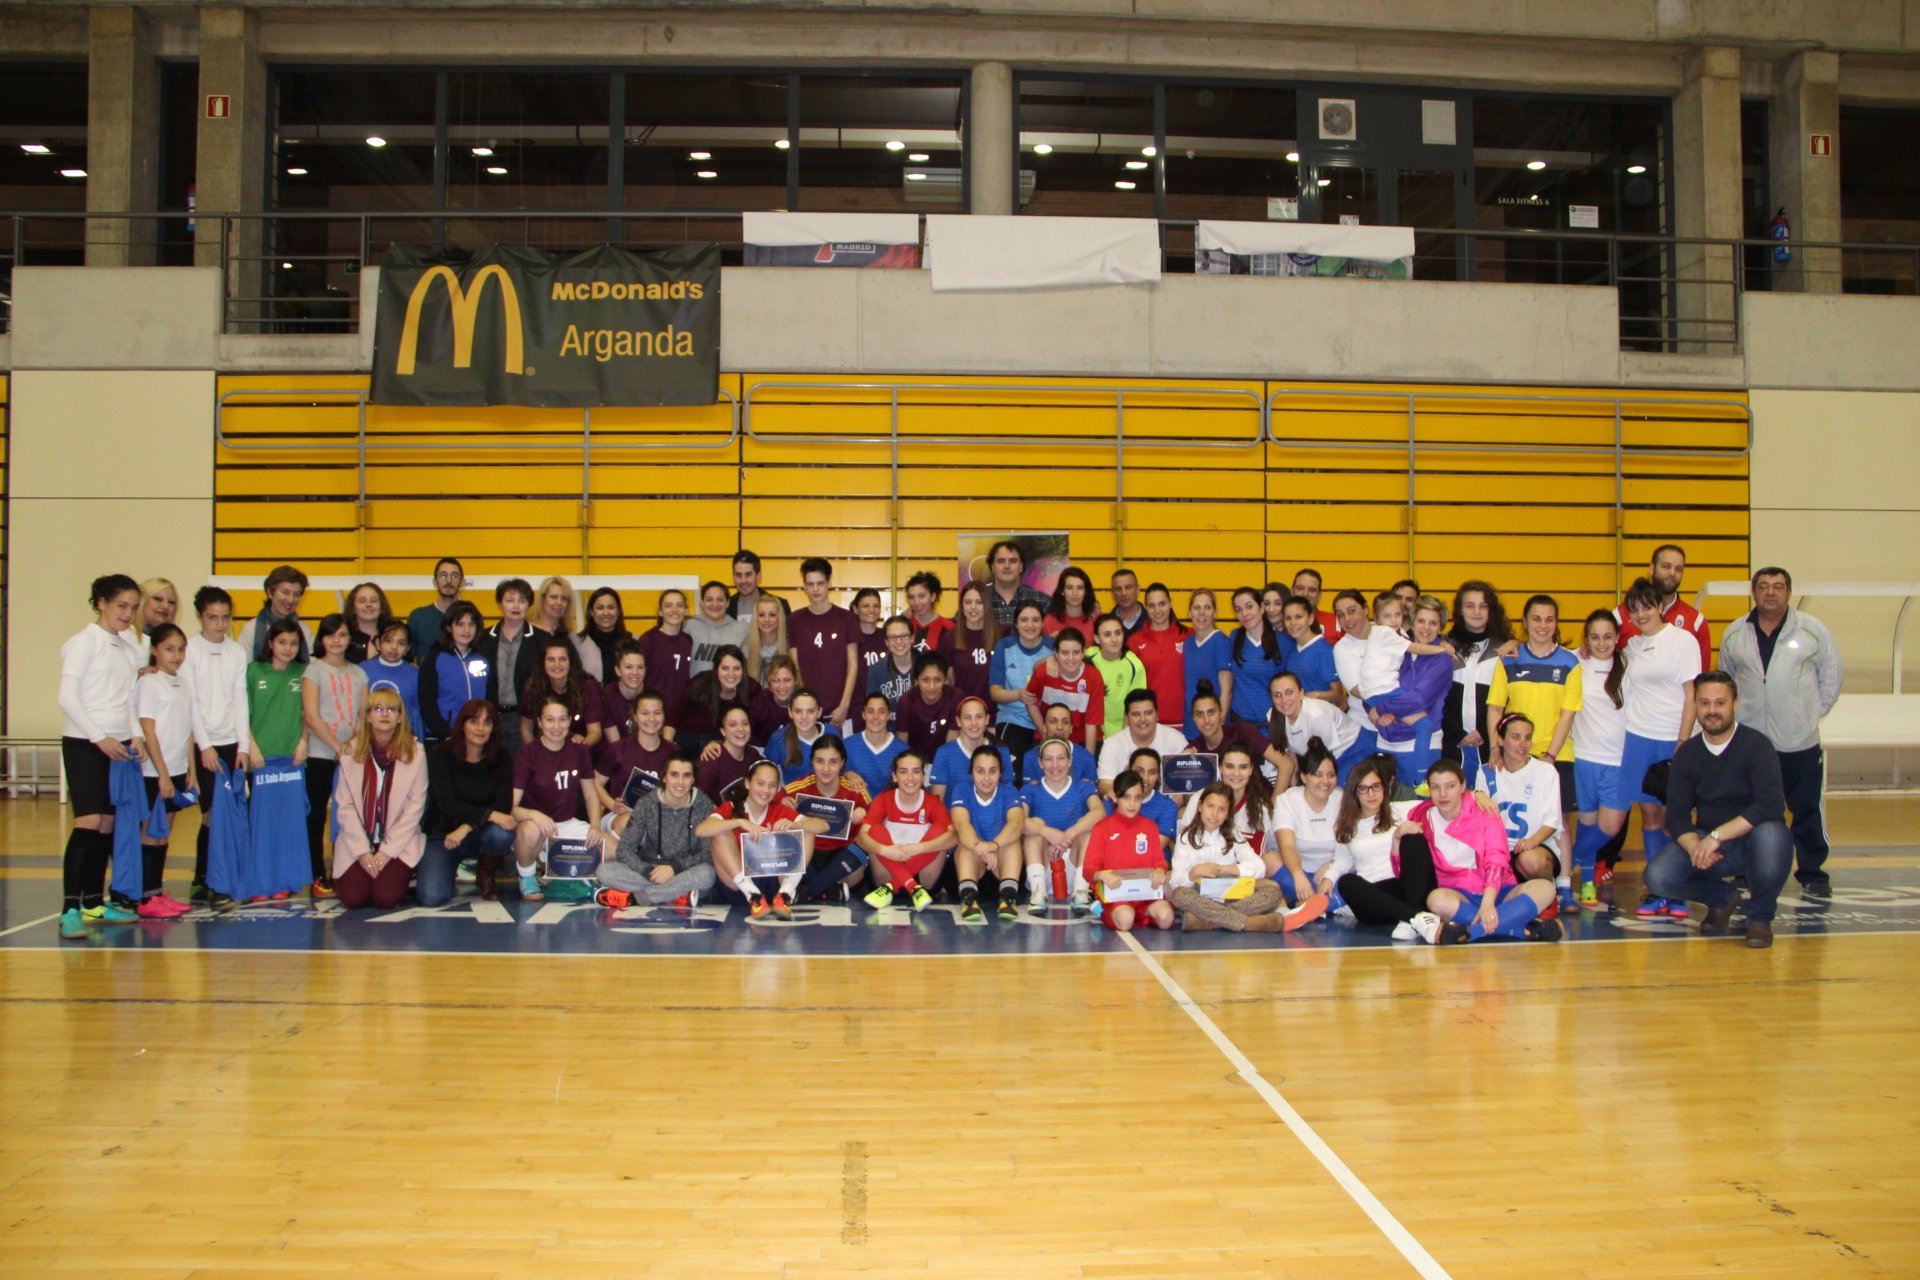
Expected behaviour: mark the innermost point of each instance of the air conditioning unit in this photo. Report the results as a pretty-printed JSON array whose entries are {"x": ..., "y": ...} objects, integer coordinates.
[{"x": 1338, "y": 120}]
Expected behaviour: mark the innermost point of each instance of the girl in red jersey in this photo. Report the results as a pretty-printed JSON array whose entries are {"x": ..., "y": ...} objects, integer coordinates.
[
  {"x": 836, "y": 866},
  {"x": 1073, "y": 603},
  {"x": 907, "y": 834},
  {"x": 764, "y": 809},
  {"x": 1126, "y": 841},
  {"x": 1157, "y": 645}
]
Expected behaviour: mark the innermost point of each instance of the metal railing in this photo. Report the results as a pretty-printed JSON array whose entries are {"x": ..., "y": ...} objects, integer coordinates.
[
  {"x": 294, "y": 271},
  {"x": 34, "y": 765}
]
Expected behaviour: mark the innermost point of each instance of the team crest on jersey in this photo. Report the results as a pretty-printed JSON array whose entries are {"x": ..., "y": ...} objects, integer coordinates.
[{"x": 1139, "y": 842}]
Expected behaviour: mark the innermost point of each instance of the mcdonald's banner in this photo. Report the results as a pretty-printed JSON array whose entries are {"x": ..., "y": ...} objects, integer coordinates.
[{"x": 514, "y": 325}]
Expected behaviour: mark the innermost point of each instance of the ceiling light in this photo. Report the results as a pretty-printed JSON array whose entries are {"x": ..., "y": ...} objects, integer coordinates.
[
  {"x": 1043, "y": 148},
  {"x": 916, "y": 177},
  {"x": 36, "y": 148},
  {"x": 73, "y": 173},
  {"x": 1324, "y": 182},
  {"x": 1149, "y": 151},
  {"x": 376, "y": 142},
  {"x": 699, "y": 155},
  {"x": 706, "y": 173},
  {"x": 894, "y": 144},
  {"x": 497, "y": 170},
  {"x": 1136, "y": 164},
  {"x": 296, "y": 173},
  {"x": 1124, "y": 185},
  {"x": 483, "y": 151},
  {"x": 1536, "y": 165},
  {"x": 783, "y": 144},
  {"x": 1636, "y": 168},
  {"x": 286, "y": 266},
  {"x": 919, "y": 157},
  {"x": 1293, "y": 157}
]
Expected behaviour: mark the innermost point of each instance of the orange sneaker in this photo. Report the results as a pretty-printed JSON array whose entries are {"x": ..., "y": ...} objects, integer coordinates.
[{"x": 782, "y": 909}]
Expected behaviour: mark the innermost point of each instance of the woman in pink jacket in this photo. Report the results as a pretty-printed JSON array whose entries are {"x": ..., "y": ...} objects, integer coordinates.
[
  {"x": 1477, "y": 895},
  {"x": 379, "y": 798}
]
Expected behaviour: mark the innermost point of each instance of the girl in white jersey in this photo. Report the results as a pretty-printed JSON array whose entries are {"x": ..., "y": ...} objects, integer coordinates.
[
  {"x": 1526, "y": 791},
  {"x": 97, "y": 668},
  {"x": 1599, "y": 739},
  {"x": 1662, "y": 663},
  {"x": 165, "y": 708},
  {"x": 216, "y": 676}
]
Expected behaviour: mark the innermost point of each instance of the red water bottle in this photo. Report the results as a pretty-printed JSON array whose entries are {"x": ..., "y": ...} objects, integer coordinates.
[{"x": 1060, "y": 893}]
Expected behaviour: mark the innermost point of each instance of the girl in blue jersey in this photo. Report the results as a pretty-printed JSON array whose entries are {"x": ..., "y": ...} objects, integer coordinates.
[
  {"x": 1204, "y": 656},
  {"x": 1061, "y": 813},
  {"x": 954, "y": 760},
  {"x": 1254, "y": 658},
  {"x": 1312, "y": 658},
  {"x": 870, "y": 752},
  {"x": 1014, "y": 659},
  {"x": 988, "y": 817}
]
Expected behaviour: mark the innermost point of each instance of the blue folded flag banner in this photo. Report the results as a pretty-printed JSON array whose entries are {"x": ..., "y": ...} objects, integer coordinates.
[
  {"x": 229, "y": 834},
  {"x": 160, "y": 818},
  {"x": 128, "y": 791},
  {"x": 277, "y": 819}
]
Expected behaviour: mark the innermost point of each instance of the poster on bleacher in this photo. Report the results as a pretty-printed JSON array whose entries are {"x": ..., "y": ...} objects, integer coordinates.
[
  {"x": 859, "y": 240},
  {"x": 516, "y": 325}
]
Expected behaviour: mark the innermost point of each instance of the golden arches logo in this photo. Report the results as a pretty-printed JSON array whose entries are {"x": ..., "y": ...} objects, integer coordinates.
[{"x": 465, "y": 305}]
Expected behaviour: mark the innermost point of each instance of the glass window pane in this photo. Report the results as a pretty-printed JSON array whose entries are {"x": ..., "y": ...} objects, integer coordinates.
[
  {"x": 1227, "y": 149},
  {"x": 44, "y": 105},
  {"x": 880, "y": 144},
  {"x": 679, "y": 127},
  {"x": 1879, "y": 197},
  {"x": 530, "y": 140},
  {"x": 1086, "y": 148},
  {"x": 324, "y": 153}
]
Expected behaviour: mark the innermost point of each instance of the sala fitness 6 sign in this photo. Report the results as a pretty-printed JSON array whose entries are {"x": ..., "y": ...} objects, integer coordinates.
[{"x": 513, "y": 325}]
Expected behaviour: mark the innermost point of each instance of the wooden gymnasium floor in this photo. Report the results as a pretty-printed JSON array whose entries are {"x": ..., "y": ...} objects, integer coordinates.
[{"x": 325, "y": 1097}]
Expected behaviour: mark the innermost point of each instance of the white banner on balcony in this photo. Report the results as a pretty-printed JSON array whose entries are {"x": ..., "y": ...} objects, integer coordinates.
[
  {"x": 979, "y": 251},
  {"x": 831, "y": 239},
  {"x": 1324, "y": 240}
]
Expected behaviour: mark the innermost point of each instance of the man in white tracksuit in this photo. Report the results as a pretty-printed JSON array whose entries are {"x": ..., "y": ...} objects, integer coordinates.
[{"x": 1789, "y": 673}]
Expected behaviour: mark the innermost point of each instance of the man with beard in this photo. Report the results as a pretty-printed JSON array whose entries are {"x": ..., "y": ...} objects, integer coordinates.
[
  {"x": 1725, "y": 811},
  {"x": 1668, "y": 567}
]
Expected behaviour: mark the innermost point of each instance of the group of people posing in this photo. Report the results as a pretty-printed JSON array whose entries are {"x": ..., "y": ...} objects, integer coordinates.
[{"x": 1395, "y": 760}]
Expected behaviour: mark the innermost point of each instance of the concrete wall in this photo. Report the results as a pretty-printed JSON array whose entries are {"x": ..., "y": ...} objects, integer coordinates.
[
  {"x": 1831, "y": 341},
  {"x": 110, "y": 459}
]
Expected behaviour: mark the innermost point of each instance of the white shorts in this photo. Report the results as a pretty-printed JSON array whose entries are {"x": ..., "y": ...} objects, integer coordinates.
[{"x": 571, "y": 829}]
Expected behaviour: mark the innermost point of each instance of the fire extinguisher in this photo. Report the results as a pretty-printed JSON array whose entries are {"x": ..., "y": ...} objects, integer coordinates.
[
  {"x": 1782, "y": 231},
  {"x": 190, "y": 205}
]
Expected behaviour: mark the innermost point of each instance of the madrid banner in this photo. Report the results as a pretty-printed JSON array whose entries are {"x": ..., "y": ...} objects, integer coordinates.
[{"x": 514, "y": 325}]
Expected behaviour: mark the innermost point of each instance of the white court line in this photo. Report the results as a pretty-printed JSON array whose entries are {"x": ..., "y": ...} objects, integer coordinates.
[
  {"x": 28, "y": 925},
  {"x": 1402, "y": 1239}
]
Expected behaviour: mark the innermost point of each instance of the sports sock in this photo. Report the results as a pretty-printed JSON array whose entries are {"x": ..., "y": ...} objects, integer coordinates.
[
  {"x": 1586, "y": 844},
  {"x": 153, "y": 864},
  {"x": 99, "y": 853},
  {"x": 1610, "y": 851},
  {"x": 1653, "y": 842},
  {"x": 73, "y": 864},
  {"x": 1077, "y": 878},
  {"x": 1037, "y": 879},
  {"x": 969, "y": 889},
  {"x": 1514, "y": 914},
  {"x": 789, "y": 882},
  {"x": 527, "y": 868},
  {"x": 744, "y": 883}
]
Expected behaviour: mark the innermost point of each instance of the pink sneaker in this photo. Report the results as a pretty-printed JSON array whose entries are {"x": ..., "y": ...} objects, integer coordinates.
[
  {"x": 159, "y": 908},
  {"x": 172, "y": 901}
]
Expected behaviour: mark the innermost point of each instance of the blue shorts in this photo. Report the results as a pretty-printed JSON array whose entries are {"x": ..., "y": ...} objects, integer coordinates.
[
  {"x": 1599, "y": 786},
  {"x": 1642, "y": 754}
]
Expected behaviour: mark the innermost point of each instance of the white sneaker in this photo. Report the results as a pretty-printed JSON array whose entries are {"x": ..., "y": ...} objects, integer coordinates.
[
  {"x": 1405, "y": 932},
  {"x": 1344, "y": 914},
  {"x": 1084, "y": 905},
  {"x": 1037, "y": 900},
  {"x": 1426, "y": 926}
]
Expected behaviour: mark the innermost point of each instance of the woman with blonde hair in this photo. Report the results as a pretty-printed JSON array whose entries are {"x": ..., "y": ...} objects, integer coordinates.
[
  {"x": 159, "y": 603},
  {"x": 767, "y": 638},
  {"x": 379, "y": 797}
]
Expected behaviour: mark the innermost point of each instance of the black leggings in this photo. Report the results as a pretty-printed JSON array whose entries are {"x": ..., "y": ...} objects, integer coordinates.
[
  {"x": 319, "y": 800},
  {"x": 1397, "y": 898},
  {"x": 206, "y": 782},
  {"x": 1018, "y": 740}
]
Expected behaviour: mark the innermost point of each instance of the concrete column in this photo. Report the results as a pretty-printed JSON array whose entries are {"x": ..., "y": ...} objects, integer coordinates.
[
  {"x": 990, "y": 138},
  {"x": 1807, "y": 102},
  {"x": 123, "y": 136},
  {"x": 1706, "y": 195},
  {"x": 231, "y": 153}
]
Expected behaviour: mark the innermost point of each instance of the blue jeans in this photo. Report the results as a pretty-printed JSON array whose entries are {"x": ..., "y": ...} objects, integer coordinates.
[
  {"x": 1764, "y": 856},
  {"x": 433, "y": 878}
]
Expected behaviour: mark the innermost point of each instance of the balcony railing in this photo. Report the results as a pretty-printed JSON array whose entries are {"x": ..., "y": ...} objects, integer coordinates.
[{"x": 298, "y": 271}]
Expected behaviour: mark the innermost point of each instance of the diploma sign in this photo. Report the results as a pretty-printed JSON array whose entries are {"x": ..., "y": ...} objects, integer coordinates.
[
  {"x": 1224, "y": 888},
  {"x": 1183, "y": 773},
  {"x": 1135, "y": 886},
  {"x": 836, "y": 813},
  {"x": 778, "y": 853},
  {"x": 639, "y": 782},
  {"x": 571, "y": 860}
]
